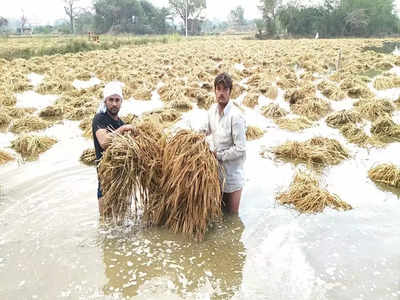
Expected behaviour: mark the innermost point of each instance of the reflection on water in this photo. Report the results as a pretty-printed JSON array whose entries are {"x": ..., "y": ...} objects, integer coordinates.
[{"x": 176, "y": 265}]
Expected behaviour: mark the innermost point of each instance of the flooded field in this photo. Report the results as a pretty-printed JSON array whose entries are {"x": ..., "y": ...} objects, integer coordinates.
[{"x": 53, "y": 246}]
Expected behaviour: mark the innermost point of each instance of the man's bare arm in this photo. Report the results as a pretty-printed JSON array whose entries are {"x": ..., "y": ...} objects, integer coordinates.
[{"x": 104, "y": 136}]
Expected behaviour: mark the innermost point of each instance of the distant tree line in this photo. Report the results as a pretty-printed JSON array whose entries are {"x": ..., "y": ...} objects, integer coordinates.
[{"x": 334, "y": 18}]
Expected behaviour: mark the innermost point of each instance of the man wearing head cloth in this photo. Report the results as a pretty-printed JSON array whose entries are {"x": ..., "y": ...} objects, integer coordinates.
[{"x": 106, "y": 122}]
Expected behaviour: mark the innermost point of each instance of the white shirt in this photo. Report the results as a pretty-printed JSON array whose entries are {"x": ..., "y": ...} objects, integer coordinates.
[{"x": 228, "y": 133}]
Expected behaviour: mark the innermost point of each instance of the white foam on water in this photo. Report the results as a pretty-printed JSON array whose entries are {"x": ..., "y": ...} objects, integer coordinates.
[
  {"x": 139, "y": 107},
  {"x": 35, "y": 79}
]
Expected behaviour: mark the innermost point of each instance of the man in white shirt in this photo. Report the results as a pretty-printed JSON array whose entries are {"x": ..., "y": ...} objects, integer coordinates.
[{"x": 227, "y": 127}]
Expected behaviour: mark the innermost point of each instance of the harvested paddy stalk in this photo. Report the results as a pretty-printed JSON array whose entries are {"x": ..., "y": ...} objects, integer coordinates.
[
  {"x": 296, "y": 124},
  {"x": 181, "y": 105},
  {"x": 372, "y": 109},
  {"x": 343, "y": 117},
  {"x": 318, "y": 151},
  {"x": 356, "y": 88},
  {"x": 251, "y": 100},
  {"x": 5, "y": 157},
  {"x": 30, "y": 146},
  {"x": 384, "y": 83},
  {"x": 313, "y": 108},
  {"x": 52, "y": 111},
  {"x": 331, "y": 91},
  {"x": 29, "y": 123},
  {"x": 237, "y": 90},
  {"x": 130, "y": 171},
  {"x": 191, "y": 192},
  {"x": 253, "y": 133},
  {"x": 86, "y": 126},
  {"x": 88, "y": 157},
  {"x": 171, "y": 92},
  {"x": 5, "y": 119},
  {"x": 385, "y": 129},
  {"x": 54, "y": 87},
  {"x": 7, "y": 98},
  {"x": 306, "y": 196},
  {"x": 273, "y": 111},
  {"x": 354, "y": 134},
  {"x": 272, "y": 92},
  {"x": 388, "y": 174}
]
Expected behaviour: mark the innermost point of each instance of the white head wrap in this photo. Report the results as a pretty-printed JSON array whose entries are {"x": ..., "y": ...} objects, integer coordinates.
[{"x": 111, "y": 88}]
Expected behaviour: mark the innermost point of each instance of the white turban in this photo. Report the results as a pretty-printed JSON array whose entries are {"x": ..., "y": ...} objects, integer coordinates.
[{"x": 111, "y": 88}]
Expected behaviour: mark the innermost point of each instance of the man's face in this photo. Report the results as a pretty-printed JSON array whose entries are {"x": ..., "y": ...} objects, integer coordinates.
[
  {"x": 113, "y": 104},
  {"x": 222, "y": 94}
]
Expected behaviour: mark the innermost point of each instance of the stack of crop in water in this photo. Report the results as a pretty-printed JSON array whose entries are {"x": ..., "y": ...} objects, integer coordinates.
[
  {"x": 316, "y": 151},
  {"x": 191, "y": 192},
  {"x": 273, "y": 111},
  {"x": 388, "y": 174},
  {"x": 385, "y": 128},
  {"x": 5, "y": 157},
  {"x": 30, "y": 146},
  {"x": 29, "y": 123},
  {"x": 293, "y": 124},
  {"x": 307, "y": 196},
  {"x": 88, "y": 157},
  {"x": 343, "y": 117},
  {"x": 313, "y": 108},
  {"x": 253, "y": 133},
  {"x": 373, "y": 108}
]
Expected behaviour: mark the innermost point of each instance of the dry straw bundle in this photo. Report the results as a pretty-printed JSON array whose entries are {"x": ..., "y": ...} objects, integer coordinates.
[
  {"x": 86, "y": 126},
  {"x": 372, "y": 109},
  {"x": 313, "y": 108},
  {"x": 271, "y": 93},
  {"x": 191, "y": 192},
  {"x": 356, "y": 88},
  {"x": 30, "y": 146},
  {"x": 251, "y": 100},
  {"x": 88, "y": 157},
  {"x": 273, "y": 111},
  {"x": 343, "y": 117},
  {"x": 253, "y": 133},
  {"x": 296, "y": 124},
  {"x": 130, "y": 170},
  {"x": 237, "y": 90},
  {"x": 7, "y": 98},
  {"x": 383, "y": 83},
  {"x": 306, "y": 196},
  {"x": 54, "y": 86},
  {"x": 354, "y": 134},
  {"x": 5, "y": 119},
  {"x": 5, "y": 157},
  {"x": 52, "y": 111},
  {"x": 181, "y": 104},
  {"x": 318, "y": 151},
  {"x": 29, "y": 123},
  {"x": 388, "y": 174},
  {"x": 171, "y": 92},
  {"x": 385, "y": 129},
  {"x": 331, "y": 91}
]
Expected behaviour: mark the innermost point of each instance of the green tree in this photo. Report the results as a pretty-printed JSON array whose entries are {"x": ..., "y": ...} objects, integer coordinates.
[
  {"x": 236, "y": 16},
  {"x": 188, "y": 10},
  {"x": 269, "y": 9}
]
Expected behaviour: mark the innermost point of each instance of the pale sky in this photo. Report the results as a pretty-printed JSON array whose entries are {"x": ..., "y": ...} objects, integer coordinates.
[{"x": 47, "y": 11}]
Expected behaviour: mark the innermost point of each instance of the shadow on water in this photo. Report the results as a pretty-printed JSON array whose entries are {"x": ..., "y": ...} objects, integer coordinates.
[
  {"x": 386, "y": 48},
  {"x": 156, "y": 261}
]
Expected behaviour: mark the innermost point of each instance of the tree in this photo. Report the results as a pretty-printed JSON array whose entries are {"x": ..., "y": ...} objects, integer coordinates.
[
  {"x": 236, "y": 16},
  {"x": 269, "y": 9},
  {"x": 72, "y": 11},
  {"x": 188, "y": 9},
  {"x": 356, "y": 22},
  {"x": 3, "y": 22}
]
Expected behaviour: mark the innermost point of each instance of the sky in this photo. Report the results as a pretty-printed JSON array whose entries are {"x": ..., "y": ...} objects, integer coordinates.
[
  {"x": 47, "y": 11},
  {"x": 41, "y": 12}
]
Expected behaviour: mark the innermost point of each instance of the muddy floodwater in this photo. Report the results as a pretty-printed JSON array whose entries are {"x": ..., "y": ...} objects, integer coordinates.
[{"x": 52, "y": 245}]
